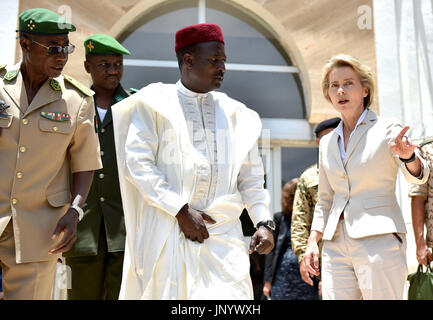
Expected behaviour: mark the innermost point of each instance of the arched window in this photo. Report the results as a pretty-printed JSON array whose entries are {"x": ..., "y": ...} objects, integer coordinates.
[{"x": 260, "y": 73}]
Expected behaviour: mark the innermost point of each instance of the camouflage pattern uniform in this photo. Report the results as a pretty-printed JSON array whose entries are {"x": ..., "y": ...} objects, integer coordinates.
[
  {"x": 303, "y": 208},
  {"x": 426, "y": 190}
]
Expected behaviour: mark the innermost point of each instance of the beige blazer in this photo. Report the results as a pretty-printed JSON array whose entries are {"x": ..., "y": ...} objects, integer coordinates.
[
  {"x": 363, "y": 187},
  {"x": 40, "y": 144}
]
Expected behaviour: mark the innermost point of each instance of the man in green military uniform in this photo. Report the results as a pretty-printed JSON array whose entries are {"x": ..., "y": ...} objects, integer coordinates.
[
  {"x": 47, "y": 132},
  {"x": 305, "y": 201},
  {"x": 96, "y": 259}
]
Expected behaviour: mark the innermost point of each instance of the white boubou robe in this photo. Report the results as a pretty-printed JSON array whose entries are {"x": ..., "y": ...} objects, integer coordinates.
[{"x": 157, "y": 165}]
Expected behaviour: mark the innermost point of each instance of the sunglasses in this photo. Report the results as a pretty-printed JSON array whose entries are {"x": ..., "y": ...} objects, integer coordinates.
[{"x": 57, "y": 49}]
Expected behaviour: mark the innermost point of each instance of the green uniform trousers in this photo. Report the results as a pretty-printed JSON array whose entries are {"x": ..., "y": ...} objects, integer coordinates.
[{"x": 96, "y": 277}]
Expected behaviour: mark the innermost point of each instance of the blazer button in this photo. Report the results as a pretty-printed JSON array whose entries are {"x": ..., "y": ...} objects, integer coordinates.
[
  {"x": 19, "y": 175},
  {"x": 14, "y": 201},
  {"x": 25, "y": 121},
  {"x": 23, "y": 149},
  {"x": 102, "y": 130},
  {"x": 101, "y": 199},
  {"x": 101, "y": 176},
  {"x": 102, "y": 153}
]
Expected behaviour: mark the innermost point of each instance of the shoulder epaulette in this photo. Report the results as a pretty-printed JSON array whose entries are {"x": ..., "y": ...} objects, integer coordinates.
[
  {"x": 88, "y": 92},
  {"x": 2, "y": 66}
]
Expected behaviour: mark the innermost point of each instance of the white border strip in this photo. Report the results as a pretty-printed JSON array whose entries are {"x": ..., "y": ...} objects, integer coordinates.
[{"x": 229, "y": 66}]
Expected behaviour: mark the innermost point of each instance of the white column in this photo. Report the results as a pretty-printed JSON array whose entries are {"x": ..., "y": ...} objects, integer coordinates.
[
  {"x": 387, "y": 58},
  {"x": 8, "y": 25}
]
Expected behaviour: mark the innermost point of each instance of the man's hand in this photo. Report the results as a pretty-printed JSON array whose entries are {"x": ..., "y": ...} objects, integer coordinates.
[
  {"x": 262, "y": 241},
  {"x": 267, "y": 289},
  {"x": 311, "y": 259},
  {"x": 304, "y": 273},
  {"x": 423, "y": 254},
  {"x": 68, "y": 225},
  {"x": 191, "y": 222}
]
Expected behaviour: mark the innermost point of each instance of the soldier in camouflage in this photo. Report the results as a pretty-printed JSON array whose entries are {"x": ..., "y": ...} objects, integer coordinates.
[
  {"x": 422, "y": 209},
  {"x": 305, "y": 200}
]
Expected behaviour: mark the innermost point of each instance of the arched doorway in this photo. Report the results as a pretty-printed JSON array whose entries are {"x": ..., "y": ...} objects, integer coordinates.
[{"x": 264, "y": 71}]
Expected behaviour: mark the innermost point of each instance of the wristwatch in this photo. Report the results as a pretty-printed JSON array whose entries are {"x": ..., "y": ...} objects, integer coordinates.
[
  {"x": 270, "y": 224},
  {"x": 79, "y": 210}
]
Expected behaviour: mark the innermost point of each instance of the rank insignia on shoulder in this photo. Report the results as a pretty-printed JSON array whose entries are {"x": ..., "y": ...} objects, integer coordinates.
[
  {"x": 55, "y": 85},
  {"x": 11, "y": 75},
  {"x": 81, "y": 87},
  {"x": 56, "y": 116}
]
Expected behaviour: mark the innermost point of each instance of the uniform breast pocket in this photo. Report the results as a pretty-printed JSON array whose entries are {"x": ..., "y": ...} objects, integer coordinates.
[
  {"x": 5, "y": 121},
  {"x": 62, "y": 127}
]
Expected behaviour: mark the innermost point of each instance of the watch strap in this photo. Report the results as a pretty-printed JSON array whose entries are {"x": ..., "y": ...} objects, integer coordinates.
[{"x": 79, "y": 210}]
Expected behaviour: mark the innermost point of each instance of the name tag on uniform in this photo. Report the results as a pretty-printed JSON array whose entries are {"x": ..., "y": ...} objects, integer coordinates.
[{"x": 56, "y": 116}]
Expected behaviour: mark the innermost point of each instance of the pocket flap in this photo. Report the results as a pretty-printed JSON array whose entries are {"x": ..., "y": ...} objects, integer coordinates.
[
  {"x": 59, "y": 199},
  {"x": 375, "y": 202},
  {"x": 55, "y": 126},
  {"x": 6, "y": 122}
]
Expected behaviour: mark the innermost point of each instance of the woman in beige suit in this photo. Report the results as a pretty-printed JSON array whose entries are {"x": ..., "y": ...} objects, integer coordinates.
[{"x": 357, "y": 214}]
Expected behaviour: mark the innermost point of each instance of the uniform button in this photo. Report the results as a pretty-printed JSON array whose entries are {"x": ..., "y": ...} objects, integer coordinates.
[
  {"x": 101, "y": 199},
  {"x": 19, "y": 175},
  {"x": 102, "y": 130},
  {"x": 55, "y": 128},
  {"x": 23, "y": 149},
  {"x": 102, "y": 153},
  {"x": 25, "y": 121},
  {"x": 101, "y": 176},
  {"x": 14, "y": 201}
]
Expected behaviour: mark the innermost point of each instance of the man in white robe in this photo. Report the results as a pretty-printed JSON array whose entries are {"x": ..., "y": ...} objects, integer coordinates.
[{"x": 188, "y": 164}]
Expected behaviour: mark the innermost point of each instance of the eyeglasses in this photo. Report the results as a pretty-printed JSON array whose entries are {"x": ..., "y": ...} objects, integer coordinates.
[{"x": 57, "y": 49}]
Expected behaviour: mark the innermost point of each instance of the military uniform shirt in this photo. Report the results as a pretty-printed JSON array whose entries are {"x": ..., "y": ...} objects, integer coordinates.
[
  {"x": 104, "y": 202},
  {"x": 40, "y": 144},
  {"x": 426, "y": 190},
  {"x": 303, "y": 208}
]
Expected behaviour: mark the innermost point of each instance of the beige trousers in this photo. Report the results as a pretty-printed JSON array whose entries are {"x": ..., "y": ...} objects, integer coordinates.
[
  {"x": 24, "y": 281},
  {"x": 370, "y": 268}
]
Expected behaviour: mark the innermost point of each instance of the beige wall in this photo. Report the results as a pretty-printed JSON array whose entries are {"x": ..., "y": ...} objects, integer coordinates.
[{"x": 318, "y": 29}]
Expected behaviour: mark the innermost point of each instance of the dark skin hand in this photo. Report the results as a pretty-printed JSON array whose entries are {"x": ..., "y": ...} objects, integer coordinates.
[
  {"x": 262, "y": 241},
  {"x": 191, "y": 222},
  {"x": 81, "y": 182}
]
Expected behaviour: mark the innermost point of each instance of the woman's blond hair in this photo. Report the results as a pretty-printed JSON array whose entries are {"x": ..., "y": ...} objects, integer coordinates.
[{"x": 363, "y": 71}]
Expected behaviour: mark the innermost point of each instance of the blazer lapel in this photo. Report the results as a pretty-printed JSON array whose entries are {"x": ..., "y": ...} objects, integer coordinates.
[
  {"x": 17, "y": 92},
  {"x": 368, "y": 121},
  {"x": 334, "y": 148}
]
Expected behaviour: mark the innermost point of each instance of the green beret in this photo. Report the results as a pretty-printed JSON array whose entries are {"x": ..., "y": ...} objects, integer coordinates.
[
  {"x": 104, "y": 44},
  {"x": 44, "y": 21}
]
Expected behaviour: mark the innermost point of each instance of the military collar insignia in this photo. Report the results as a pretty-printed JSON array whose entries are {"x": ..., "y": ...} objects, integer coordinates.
[
  {"x": 81, "y": 87},
  {"x": 56, "y": 116},
  {"x": 3, "y": 107},
  {"x": 11, "y": 75},
  {"x": 55, "y": 85}
]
